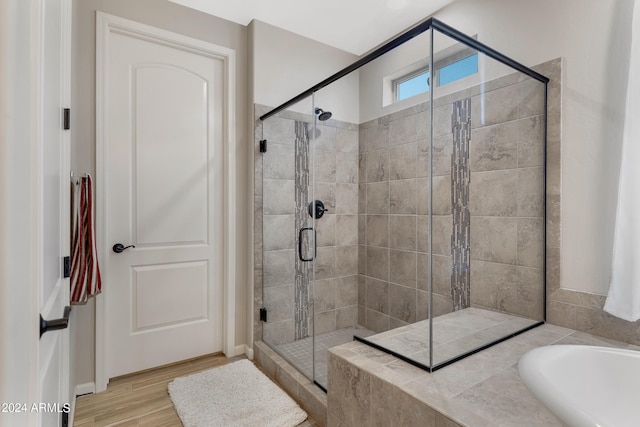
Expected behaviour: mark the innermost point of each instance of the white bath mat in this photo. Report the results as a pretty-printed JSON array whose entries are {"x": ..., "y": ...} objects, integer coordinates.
[{"x": 236, "y": 394}]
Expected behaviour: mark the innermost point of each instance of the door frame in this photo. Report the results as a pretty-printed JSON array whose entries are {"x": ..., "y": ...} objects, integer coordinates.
[{"x": 105, "y": 25}]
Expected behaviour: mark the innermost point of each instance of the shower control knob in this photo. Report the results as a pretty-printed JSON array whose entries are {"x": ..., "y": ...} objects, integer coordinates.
[{"x": 317, "y": 208}]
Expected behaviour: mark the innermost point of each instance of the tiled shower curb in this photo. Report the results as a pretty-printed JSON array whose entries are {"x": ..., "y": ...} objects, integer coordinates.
[{"x": 300, "y": 388}]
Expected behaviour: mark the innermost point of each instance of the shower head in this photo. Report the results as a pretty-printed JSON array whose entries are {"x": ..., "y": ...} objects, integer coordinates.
[{"x": 323, "y": 115}]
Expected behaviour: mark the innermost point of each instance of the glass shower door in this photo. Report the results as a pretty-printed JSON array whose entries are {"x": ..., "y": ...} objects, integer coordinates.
[
  {"x": 289, "y": 236},
  {"x": 335, "y": 165}
]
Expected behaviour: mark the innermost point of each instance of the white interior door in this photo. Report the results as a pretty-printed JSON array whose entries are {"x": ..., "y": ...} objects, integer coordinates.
[
  {"x": 163, "y": 150},
  {"x": 53, "y": 194},
  {"x": 34, "y": 214}
]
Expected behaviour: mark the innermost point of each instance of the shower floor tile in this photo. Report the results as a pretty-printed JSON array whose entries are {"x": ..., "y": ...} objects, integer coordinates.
[{"x": 299, "y": 353}]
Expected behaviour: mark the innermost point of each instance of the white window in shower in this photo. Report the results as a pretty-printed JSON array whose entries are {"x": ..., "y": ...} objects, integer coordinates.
[
  {"x": 447, "y": 70},
  {"x": 417, "y": 78},
  {"x": 412, "y": 85},
  {"x": 458, "y": 69}
]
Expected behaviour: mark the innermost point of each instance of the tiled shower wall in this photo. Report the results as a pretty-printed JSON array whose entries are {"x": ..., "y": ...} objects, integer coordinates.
[
  {"x": 335, "y": 146},
  {"x": 505, "y": 179},
  {"x": 393, "y": 208},
  {"x": 507, "y": 198}
]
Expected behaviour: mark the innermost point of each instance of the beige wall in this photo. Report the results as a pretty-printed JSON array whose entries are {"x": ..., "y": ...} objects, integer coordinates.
[
  {"x": 172, "y": 17},
  {"x": 286, "y": 64}
]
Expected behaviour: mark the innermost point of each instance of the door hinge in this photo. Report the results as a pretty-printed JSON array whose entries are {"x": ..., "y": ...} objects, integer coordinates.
[
  {"x": 66, "y": 266},
  {"x": 65, "y": 419},
  {"x": 263, "y": 146},
  {"x": 263, "y": 314},
  {"x": 66, "y": 119}
]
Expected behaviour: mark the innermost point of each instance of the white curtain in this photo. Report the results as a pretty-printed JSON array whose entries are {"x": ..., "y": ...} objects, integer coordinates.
[{"x": 623, "y": 300}]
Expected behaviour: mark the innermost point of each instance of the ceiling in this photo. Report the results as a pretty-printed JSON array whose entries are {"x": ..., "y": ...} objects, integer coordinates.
[{"x": 355, "y": 26}]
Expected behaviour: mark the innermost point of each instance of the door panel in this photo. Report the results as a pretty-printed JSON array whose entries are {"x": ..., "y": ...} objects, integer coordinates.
[
  {"x": 164, "y": 195},
  {"x": 153, "y": 283},
  {"x": 170, "y": 124}
]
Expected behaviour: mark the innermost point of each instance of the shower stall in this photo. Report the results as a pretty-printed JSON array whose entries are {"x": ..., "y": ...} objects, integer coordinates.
[{"x": 411, "y": 218}]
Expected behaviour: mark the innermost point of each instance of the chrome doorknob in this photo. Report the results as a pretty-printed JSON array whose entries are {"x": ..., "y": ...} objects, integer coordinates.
[{"x": 119, "y": 247}]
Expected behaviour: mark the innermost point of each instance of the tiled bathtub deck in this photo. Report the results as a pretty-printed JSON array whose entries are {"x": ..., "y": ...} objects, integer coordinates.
[{"x": 367, "y": 385}]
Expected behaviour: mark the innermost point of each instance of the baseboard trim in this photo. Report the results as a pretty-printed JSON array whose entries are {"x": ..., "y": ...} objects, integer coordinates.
[
  {"x": 243, "y": 349},
  {"x": 238, "y": 350},
  {"x": 86, "y": 388}
]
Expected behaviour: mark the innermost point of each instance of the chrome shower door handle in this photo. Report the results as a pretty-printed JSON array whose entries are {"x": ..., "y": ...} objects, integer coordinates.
[{"x": 300, "y": 233}]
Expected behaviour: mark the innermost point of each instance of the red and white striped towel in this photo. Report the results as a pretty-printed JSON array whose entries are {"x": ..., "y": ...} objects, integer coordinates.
[{"x": 85, "y": 272}]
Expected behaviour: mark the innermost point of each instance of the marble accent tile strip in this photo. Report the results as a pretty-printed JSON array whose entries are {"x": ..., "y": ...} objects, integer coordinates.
[
  {"x": 302, "y": 268},
  {"x": 460, "y": 180}
]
